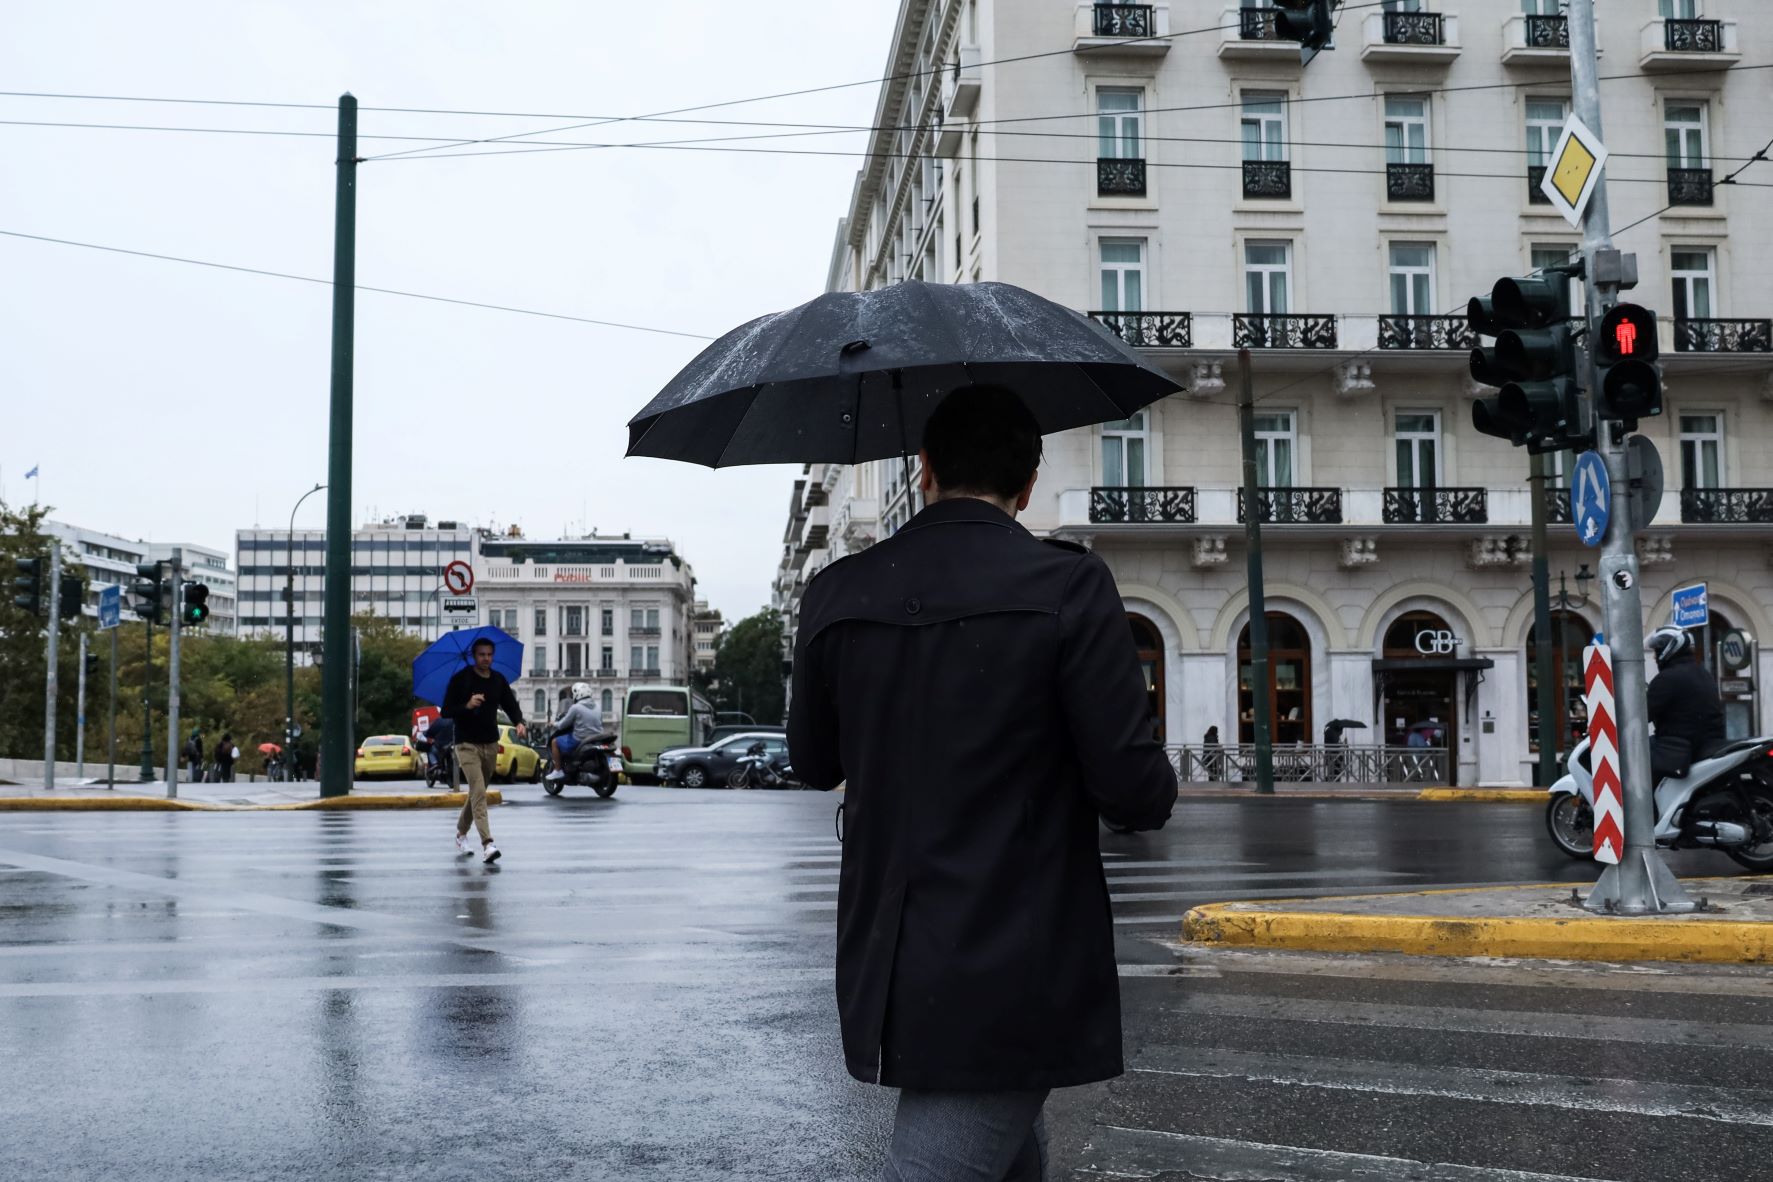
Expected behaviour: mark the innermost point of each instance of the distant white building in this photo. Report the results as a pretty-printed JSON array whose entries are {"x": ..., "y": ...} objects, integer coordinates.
[
  {"x": 108, "y": 559},
  {"x": 709, "y": 631}
]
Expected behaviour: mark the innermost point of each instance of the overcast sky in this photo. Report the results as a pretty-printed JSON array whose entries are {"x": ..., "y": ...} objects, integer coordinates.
[{"x": 178, "y": 403}]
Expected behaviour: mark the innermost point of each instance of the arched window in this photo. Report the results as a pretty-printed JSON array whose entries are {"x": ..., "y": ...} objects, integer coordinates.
[
  {"x": 1570, "y": 635},
  {"x": 1289, "y": 682},
  {"x": 1150, "y": 646},
  {"x": 1417, "y": 706}
]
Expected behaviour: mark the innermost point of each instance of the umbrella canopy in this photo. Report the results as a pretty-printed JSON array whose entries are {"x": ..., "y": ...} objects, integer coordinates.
[
  {"x": 851, "y": 376},
  {"x": 454, "y": 651},
  {"x": 270, "y": 749}
]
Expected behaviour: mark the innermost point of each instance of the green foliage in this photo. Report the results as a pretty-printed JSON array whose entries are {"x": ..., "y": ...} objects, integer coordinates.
[
  {"x": 384, "y": 676},
  {"x": 24, "y": 647},
  {"x": 748, "y": 669}
]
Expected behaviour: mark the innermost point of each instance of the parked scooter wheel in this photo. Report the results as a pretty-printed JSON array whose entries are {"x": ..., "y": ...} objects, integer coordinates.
[
  {"x": 1759, "y": 855},
  {"x": 738, "y": 778},
  {"x": 1570, "y": 821}
]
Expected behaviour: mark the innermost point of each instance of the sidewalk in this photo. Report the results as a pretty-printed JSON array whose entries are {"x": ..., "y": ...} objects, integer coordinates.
[
  {"x": 1507, "y": 921},
  {"x": 240, "y": 796},
  {"x": 1439, "y": 793}
]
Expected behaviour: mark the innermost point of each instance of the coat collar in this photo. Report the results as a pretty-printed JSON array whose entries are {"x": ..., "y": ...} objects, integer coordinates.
[{"x": 968, "y": 510}]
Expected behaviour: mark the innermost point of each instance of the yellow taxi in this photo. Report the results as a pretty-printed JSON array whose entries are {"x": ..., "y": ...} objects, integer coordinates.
[
  {"x": 517, "y": 760},
  {"x": 390, "y": 755}
]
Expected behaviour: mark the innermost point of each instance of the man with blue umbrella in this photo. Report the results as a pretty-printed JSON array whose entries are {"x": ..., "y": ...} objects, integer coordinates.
[{"x": 472, "y": 701}]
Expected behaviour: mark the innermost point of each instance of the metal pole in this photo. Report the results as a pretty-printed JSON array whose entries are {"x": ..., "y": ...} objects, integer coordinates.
[
  {"x": 111, "y": 745},
  {"x": 289, "y": 631},
  {"x": 51, "y": 683},
  {"x": 80, "y": 716},
  {"x": 1640, "y": 883},
  {"x": 174, "y": 585},
  {"x": 147, "y": 711},
  {"x": 1246, "y": 419},
  {"x": 337, "y": 739},
  {"x": 1546, "y": 695}
]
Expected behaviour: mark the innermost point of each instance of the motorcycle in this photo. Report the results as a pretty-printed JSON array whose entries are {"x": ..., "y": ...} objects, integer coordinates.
[
  {"x": 756, "y": 769},
  {"x": 592, "y": 764},
  {"x": 1723, "y": 803}
]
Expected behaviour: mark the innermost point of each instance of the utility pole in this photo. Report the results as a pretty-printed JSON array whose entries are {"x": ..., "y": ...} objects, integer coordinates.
[
  {"x": 1246, "y": 420},
  {"x": 111, "y": 746},
  {"x": 1640, "y": 883},
  {"x": 147, "y": 711},
  {"x": 338, "y": 742},
  {"x": 51, "y": 681},
  {"x": 80, "y": 716},
  {"x": 1546, "y": 693},
  {"x": 176, "y": 587},
  {"x": 289, "y": 722}
]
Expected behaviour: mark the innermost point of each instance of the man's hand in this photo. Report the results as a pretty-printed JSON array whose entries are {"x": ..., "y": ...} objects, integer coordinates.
[
  {"x": 522, "y": 731},
  {"x": 475, "y": 701}
]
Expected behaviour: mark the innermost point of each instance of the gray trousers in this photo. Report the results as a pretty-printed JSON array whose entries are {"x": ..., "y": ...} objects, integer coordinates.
[{"x": 968, "y": 1137}]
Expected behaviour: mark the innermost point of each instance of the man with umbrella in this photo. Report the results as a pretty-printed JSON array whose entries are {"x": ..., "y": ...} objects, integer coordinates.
[{"x": 472, "y": 701}]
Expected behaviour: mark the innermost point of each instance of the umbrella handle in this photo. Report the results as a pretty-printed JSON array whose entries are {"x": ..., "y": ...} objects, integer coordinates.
[{"x": 904, "y": 443}]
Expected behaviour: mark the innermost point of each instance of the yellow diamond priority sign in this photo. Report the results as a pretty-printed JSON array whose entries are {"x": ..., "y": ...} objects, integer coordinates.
[{"x": 1574, "y": 170}]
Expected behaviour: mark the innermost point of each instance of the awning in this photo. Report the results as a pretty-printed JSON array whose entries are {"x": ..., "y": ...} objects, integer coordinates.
[{"x": 1431, "y": 664}]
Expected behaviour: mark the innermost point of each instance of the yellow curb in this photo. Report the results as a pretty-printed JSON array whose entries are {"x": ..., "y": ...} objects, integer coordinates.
[
  {"x": 149, "y": 804},
  {"x": 1491, "y": 795},
  {"x": 1709, "y": 941}
]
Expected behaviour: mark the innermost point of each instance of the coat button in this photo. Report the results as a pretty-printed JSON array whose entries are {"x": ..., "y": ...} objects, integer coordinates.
[{"x": 913, "y": 606}]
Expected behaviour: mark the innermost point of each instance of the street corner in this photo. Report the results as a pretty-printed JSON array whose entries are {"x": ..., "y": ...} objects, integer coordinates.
[
  {"x": 102, "y": 804},
  {"x": 1544, "y": 922},
  {"x": 1483, "y": 795}
]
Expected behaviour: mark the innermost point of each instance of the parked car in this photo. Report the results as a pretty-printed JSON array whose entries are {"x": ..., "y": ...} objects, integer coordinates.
[
  {"x": 389, "y": 755},
  {"x": 517, "y": 760},
  {"x": 728, "y": 729},
  {"x": 708, "y": 767}
]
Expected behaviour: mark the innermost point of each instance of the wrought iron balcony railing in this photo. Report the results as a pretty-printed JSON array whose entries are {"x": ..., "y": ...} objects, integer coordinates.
[
  {"x": 1727, "y": 506},
  {"x": 1426, "y": 332},
  {"x": 1268, "y": 179},
  {"x": 1548, "y": 31},
  {"x": 1689, "y": 186},
  {"x": 643, "y": 630},
  {"x": 1557, "y": 505},
  {"x": 1414, "y": 28},
  {"x": 1123, "y": 20},
  {"x": 1116, "y": 506},
  {"x": 1120, "y": 177},
  {"x": 1693, "y": 36},
  {"x": 1723, "y": 336},
  {"x": 1282, "y": 330},
  {"x": 1436, "y": 506},
  {"x": 1536, "y": 177},
  {"x": 1294, "y": 506},
  {"x": 1150, "y": 330},
  {"x": 1409, "y": 182},
  {"x": 1257, "y": 24}
]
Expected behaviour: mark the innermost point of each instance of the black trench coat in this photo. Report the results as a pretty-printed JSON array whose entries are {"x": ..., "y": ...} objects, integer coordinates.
[{"x": 979, "y": 691}]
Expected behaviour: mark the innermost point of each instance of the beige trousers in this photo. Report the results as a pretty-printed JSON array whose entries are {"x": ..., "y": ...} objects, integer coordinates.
[{"x": 479, "y": 763}]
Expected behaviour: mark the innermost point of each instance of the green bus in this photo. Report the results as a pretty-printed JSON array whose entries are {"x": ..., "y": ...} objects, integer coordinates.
[{"x": 655, "y": 717}]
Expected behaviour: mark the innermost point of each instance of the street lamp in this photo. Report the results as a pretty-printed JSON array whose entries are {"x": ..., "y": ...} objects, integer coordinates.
[
  {"x": 1563, "y": 600},
  {"x": 289, "y": 630}
]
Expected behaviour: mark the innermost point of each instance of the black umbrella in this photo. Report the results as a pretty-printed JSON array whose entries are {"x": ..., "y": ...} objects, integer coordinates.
[{"x": 851, "y": 376}]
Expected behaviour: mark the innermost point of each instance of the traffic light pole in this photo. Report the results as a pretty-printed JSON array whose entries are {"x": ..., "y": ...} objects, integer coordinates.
[
  {"x": 80, "y": 716},
  {"x": 175, "y": 586},
  {"x": 1639, "y": 884},
  {"x": 111, "y": 743},
  {"x": 51, "y": 683},
  {"x": 147, "y": 708},
  {"x": 1259, "y": 699},
  {"x": 1544, "y": 694},
  {"x": 337, "y": 740}
]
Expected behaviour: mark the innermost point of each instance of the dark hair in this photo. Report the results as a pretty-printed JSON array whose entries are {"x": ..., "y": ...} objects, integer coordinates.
[
  {"x": 982, "y": 439},
  {"x": 482, "y": 640}
]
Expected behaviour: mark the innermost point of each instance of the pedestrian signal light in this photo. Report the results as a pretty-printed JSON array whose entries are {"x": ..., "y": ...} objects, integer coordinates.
[
  {"x": 1630, "y": 382},
  {"x": 196, "y": 608},
  {"x": 28, "y": 585}
]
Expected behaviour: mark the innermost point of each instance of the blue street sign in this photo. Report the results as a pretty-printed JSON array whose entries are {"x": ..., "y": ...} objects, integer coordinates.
[
  {"x": 110, "y": 606},
  {"x": 1692, "y": 609},
  {"x": 1591, "y": 498}
]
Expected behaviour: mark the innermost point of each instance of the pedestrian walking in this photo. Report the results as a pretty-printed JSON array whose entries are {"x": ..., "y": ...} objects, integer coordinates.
[
  {"x": 225, "y": 755},
  {"x": 193, "y": 753},
  {"x": 978, "y": 690},
  {"x": 472, "y": 701}
]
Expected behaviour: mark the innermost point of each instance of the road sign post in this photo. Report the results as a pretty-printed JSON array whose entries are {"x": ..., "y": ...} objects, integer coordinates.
[
  {"x": 1603, "y": 753},
  {"x": 110, "y": 617},
  {"x": 50, "y": 681}
]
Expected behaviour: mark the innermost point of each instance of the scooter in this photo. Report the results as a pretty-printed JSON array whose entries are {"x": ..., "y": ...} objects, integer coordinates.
[
  {"x": 1724, "y": 803},
  {"x": 757, "y": 770},
  {"x": 592, "y": 764}
]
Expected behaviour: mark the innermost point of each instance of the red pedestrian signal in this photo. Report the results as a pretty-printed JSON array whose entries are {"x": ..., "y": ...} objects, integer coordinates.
[
  {"x": 1625, "y": 333},
  {"x": 1630, "y": 384}
]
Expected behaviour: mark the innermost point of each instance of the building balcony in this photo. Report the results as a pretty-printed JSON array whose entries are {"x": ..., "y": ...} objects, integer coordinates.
[
  {"x": 1249, "y": 34},
  {"x": 1723, "y": 336},
  {"x": 961, "y": 84},
  {"x": 1426, "y": 332},
  {"x": 1409, "y": 182},
  {"x": 602, "y": 674},
  {"x": 1120, "y": 177},
  {"x": 1282, "y": 330},
  {"x": 1689, "y": 186},
  {"x": 1689, "y": 45},
  {"x": 646, "y": 674},
  {"x": 1268, "y": 180},
  {"x": 643, "y": 632},
  {"x": 1141, "y": 30},
  {"x": 1412, "y": 38},
  {"x": 1535, "y": 179},
  {"x": 815, "y": 529},
  {"x": 1536, "y": 40},
  {"x": 1132, "y": 506},
  {"x": 1727, "y": 506},
  {"x": 1150, "y": 330},
  {"x": 1436, "y": 506},
  {"x": 1294, "y": 506}
]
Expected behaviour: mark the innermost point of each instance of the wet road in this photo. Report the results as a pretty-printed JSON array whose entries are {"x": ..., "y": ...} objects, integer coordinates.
[{"x": 642, "y": 990}]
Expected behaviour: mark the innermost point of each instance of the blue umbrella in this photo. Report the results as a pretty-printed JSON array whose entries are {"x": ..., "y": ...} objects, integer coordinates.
[{"x": 453, "y": 652}]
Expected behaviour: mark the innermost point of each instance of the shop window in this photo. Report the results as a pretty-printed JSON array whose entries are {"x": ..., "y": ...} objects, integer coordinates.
[
  {"x": 1150, "y": 647},
  {"x": 1570, "y": 635},
  {"x": 1289, "y": 682},
  {"x": 1417, "y": 706}
]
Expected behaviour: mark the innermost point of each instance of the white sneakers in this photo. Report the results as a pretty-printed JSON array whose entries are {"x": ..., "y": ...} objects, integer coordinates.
[
  {"x": 490, "y": 853},
  {"x": 556, "y": 774},
  {"x": 463, "y": 845}
]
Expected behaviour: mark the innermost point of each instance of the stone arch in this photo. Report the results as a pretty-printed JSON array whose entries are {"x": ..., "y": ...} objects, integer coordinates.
[
  {"x": 1314, "y": 609},
  {"x": 1423, "y": 595},
  {"x": 1520, "y": 620},
  {"x": 1162, "y": 610}
]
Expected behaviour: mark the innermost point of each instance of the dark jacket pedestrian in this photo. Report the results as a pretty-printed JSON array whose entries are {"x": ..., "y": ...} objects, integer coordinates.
[
  {"x": 1684, "y": 703},
  {"x": 193, "y": 753},
  {"x": 978, "y": 691},
  {"x": 224, "y": 759},
  {"x": 472, "y": 701}
]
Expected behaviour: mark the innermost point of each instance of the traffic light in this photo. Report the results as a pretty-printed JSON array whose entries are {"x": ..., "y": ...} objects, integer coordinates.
[
  {"x": 148, "y": 594},
  {"x": 1306, "y": 21},
  {"x": 29, "y": 585},
  {"x": 196, "y": 608},
  {"x": 1533, "y": 362},
  {"x": 1629, "y": 381},
  {"x": 91, "y": 666},
  {"x": 73, "y": 596}
]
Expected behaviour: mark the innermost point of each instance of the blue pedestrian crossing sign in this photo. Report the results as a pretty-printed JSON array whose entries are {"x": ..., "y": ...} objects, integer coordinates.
[
  {"x": 110, "y": 606},
  {"x": 1591, "y": 498}
]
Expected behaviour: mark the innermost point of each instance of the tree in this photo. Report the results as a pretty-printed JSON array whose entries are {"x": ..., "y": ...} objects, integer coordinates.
[
  {"x": 748, "y": 668},
  {"x": 24, "y": 648}
]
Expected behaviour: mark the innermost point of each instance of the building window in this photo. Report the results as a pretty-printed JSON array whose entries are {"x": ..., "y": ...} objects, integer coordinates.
[
  {"x": 1123, "y": 452},
  {"x": 541, "y": 705},
  {"x": 636, "y": 619},
  {"x": 607, "y": 660},
  {"x": 652, "y": 656},
  {"x": 1702, "y": 450},
  {"x": 609, "y": 621},
  {"x": 1545, "y": 255},
  {"x": 1678, "y": 10},
  {"x": 541, "y": 621},
  {"x": 1289, "y": 682},
  {"x": 1123, "y": 274},
  {"x": 1268, "y": 269},
  {"x": 1683, "y": 129},
  {"x": 1120, "y": 124},
  {"x": 1692, "y": 272},
  {"x": 1406, "y": 129},
  {"x": 1276, "y": 444},
  {"x": 541, "y": 660},
  {"x": 1265, "y": 125},
  {"x": 1570, "y": 635},
  {"x": 1412, "y": 279},
  {"x": 609, "y": 706},
  {"x": 1418, "y": 434},
  {"x": 574, "y": 654},
  {"x": 572, "y": 621},
  {"x": 1545, "y": 123},
  {"x": 1543, "y": 7},
  {"x": 652, "y": 618}
]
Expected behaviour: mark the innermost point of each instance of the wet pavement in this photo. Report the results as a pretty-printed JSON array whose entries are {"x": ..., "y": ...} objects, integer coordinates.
[{"x": 641, "y": 989}]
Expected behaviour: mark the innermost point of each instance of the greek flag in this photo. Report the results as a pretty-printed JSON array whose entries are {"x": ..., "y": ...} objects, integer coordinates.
[{"x": 32, "y": 472}]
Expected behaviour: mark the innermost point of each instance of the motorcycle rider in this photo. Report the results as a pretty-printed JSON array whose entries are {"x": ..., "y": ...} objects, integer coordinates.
[
  {"x": 579, "y": 723},
  {"x": 1683, "y": 697}
]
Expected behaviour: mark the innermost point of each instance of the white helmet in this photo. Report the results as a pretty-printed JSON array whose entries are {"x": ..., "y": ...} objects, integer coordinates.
[
  {"x": 1667, "y": 643},
  {"x": 582, "y": 690}
]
